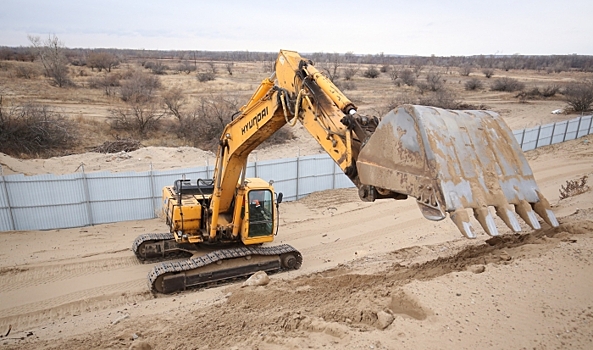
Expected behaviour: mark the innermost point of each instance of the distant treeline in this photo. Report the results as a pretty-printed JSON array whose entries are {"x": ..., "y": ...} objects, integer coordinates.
[{"x": 549, "y": 63}]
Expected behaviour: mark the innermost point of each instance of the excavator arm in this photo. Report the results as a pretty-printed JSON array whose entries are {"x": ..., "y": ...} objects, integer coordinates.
[{"x": 447, "y": 160}]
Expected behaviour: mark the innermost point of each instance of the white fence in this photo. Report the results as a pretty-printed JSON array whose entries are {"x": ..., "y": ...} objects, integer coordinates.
[
  {"x": 44, "y": 202},
  {"x": 549, "y": 134}
]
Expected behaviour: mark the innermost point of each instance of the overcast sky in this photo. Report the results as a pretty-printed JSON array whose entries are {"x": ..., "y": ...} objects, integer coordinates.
[{"x": 413, "y": 27}]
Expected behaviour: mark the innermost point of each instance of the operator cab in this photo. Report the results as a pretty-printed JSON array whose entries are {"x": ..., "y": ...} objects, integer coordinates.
[{"x": 261, "y": 213}]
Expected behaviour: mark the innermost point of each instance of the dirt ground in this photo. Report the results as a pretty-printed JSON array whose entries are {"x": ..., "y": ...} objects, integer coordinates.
[
  {"x": 374, "y": 276},
  {"x": 365, "y": 265}
]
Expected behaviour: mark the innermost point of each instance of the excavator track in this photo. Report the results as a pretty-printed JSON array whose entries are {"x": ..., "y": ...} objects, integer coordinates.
[
  {"x": 221, "y": 266},
  {"x": 154, "y": 247}
]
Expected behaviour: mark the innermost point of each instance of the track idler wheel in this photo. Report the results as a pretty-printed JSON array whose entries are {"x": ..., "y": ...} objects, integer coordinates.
[{"x": 289, "y": 261}]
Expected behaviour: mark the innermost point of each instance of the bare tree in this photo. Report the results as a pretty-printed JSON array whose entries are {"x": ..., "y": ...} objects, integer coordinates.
[
  {"x": 330, "y": 66},
  {"x": 52, "y": 57},
  {"x": 212, "y": 67},
  {"x": 102, "y": 60},
  {"x": 174, "y": 100},
  {"x": 229, "y": 67}
]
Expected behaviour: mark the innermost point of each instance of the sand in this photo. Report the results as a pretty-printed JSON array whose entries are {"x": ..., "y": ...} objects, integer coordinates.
[{"x": 374, "y": 276}]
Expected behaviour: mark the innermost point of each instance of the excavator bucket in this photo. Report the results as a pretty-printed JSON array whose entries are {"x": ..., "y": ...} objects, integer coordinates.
[{"x": 452, "y": 160}]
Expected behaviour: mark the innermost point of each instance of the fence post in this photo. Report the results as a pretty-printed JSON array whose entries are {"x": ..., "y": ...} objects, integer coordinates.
[
  {"x": 537, "y": 138},
  {"x": 255, "y": 164},
  {"x": 522, "y": 138},
  {"x": 333, "y": 175},
  {"x": 12, "y": 226},
  {"x": 553, "y": 130},
  {"x": 87, "y": 195},
  {"x": 578, "y": 127},
  {"x": 565, "y": 131},
  {"x": 590, "y": 125},
  {"x": 152, "y": 192},
  {"x": 207, "y": 169},
  {"x": 297, "y": 176}
]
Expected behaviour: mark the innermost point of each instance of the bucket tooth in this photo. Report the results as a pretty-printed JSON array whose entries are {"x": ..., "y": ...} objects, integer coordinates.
[
  {"x": 461, "y": 219},
  {"x": 527, "y": 214},
  {"x": 542, "y": 208},
  {"x": 509, "y": 218},
  {"x": 486, "y": 220}
]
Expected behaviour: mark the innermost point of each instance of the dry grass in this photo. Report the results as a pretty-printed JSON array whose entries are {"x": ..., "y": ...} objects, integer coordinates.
[
  {"x": 90, "y": 108},
  {"x": 574, "y": 187}
]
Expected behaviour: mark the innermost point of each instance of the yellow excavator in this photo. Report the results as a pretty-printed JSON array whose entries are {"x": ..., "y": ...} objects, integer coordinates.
[{"x": 450, "y": 161}]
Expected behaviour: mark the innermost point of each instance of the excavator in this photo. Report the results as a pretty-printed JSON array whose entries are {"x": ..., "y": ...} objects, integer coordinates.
[{"x": 450, "y": 161}]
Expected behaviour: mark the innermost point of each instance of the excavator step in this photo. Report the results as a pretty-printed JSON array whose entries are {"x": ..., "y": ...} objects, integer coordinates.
[{"x": 221, "y": 266}]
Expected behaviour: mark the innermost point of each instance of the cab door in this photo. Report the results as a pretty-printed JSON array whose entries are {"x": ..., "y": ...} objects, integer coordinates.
[{"x": 258, "y": 222}]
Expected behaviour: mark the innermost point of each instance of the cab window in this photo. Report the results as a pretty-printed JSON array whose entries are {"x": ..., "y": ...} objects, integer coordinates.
[{"x": 260, "y": 213}]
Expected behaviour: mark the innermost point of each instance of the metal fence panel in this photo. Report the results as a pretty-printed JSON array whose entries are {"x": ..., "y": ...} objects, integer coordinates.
[
  {"x": 61, "y": 201},
  {"x": 559, "y": 132},
  {"x": 123, "y": 210},
  {"x": 585, "y": 126},
  {"x": 545, "y": 135},
  {"x": 46, "y": 201},
  {"x": 571, "y": 130},
  {"x": 315, "y": 174},
  {"x": 530, "y": 138},
  {"x": 6, "y": 219}
]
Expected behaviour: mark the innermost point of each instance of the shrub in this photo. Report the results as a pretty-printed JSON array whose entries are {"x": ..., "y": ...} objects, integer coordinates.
[
  {"x": 206, "y": 76},
  {"x": 434, "y": 82},
  {"x": 549, "y": 91},
  {"x": 203, "y": 126},
  {"x": 465, "y": 70},
  {"x": 138, "y": 118},
  {"x": 35, "y": 130},
  {"x": 473, "y": 84},
  {"x": 185, "y": 67},
  {"x": 574, "y": 187},
  {"x": 507, "y": 84},
  {"x": 345, "y": 85},
  {"x": 107, "y": 82},
  {"x": 488, "y": 72},
  {"x": 159, "y": 69},
  {"x": 350, "y": 72},
  {"x": 401, "y": 99},
  {"x": 579, "y": 95},
  {"x": 442, "y": 98},
  {"x": 25, "y": 71},
  {"x": 407, "y": 77},
  {"x": 139, "y": 87},
  {"x": 371, "y": 72}
]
